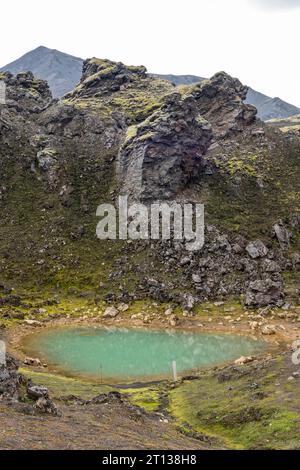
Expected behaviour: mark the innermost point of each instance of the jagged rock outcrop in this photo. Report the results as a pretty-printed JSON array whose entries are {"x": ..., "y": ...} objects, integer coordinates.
[
  {"x": 104, "y": 76},
  {"x": 117, "y": 90},
  {"x": 109, "y": 98},
  {"x": 166, "y": 151},
  {"x": 26, "y": 98},
  {"x": 16, "y": 389},
  {"x": 163, "y": 153},
  {"x": 26, "y": 93},
  {"x": 11, "y": 382},
  {"x": 220, "y": 100},
  {"x": 282, "y": 234}
]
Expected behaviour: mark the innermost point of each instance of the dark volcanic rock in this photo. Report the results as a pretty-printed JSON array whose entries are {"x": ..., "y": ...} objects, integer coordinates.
[
  {"x": 261, "y": 293},
  {"x": 256, "y": 249},
  {"x": 163, "y": 153},
  {"x": 220, "y": 101},
  {"x": 24, "y": 92},
  {"x": 107, "y": 76},
  {"x": 46, "y": 406},
  {"x": 11, "y": 382},
  {"x": 16, "y": 389},
  {"x": 282, "y": 234}
]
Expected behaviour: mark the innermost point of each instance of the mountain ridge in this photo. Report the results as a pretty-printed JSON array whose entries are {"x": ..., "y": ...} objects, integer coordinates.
[
  {"x": 63, "y": 72},
  {"x": 268, "y": 108}
]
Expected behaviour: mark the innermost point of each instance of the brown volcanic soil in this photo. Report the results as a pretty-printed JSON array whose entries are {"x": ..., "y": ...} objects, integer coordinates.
[{"x": 105, "y": 426}]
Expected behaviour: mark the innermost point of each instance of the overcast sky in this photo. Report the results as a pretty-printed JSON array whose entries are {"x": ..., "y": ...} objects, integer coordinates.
[{"x": 255, "y": 40}]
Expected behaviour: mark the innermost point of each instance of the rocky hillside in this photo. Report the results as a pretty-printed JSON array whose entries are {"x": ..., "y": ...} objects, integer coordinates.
[
  {"x": 121, "y": 129},
  {"x": 63, "y": 71},
  {"x": 267, "y": 108}
]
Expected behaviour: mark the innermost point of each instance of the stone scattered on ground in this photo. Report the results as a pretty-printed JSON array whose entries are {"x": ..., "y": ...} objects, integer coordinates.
[
  {"x": 32, "y": 361},
  {"x": 36, "y": 392},
  {"x": 256, "y": 249},
  {"x": 268, "y": 330},
  {"x": 110, "y": 312},
  {"x": 244, "y": 360},
  {"x": 173, "y": 320}
]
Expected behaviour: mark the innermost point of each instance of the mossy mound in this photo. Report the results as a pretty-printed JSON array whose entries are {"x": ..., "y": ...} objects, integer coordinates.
[{"x": 244, "y": 406}]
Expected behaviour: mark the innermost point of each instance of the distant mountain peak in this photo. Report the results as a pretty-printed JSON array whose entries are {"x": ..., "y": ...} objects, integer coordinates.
[{"x": 61, "y": 70}]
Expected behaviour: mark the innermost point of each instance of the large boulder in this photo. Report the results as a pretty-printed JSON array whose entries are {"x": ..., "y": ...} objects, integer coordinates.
[
  {"x": 160, "y": 155},
  {"x": 262, "y": 293},
  {"x": 111, "y": 312},
  {"x": 257, "y": 249}
]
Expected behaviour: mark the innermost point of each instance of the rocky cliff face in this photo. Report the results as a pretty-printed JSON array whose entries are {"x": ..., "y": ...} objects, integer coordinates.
[
  {"x": 267, "y": 107},
  {"x": 162, "y": 154},
  {"x": 166, "y": 151},
  {"x": 220, "y": 100},
  {"x": 24, "y": 92},
  {"x": 121, "y": 130}
]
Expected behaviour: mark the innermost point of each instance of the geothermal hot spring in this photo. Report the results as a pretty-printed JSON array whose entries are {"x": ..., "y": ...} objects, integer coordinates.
[{"x": 119, "y": 354}]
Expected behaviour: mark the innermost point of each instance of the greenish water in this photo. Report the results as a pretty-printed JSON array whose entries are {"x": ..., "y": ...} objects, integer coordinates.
[{"x": 124, "y": 354}]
